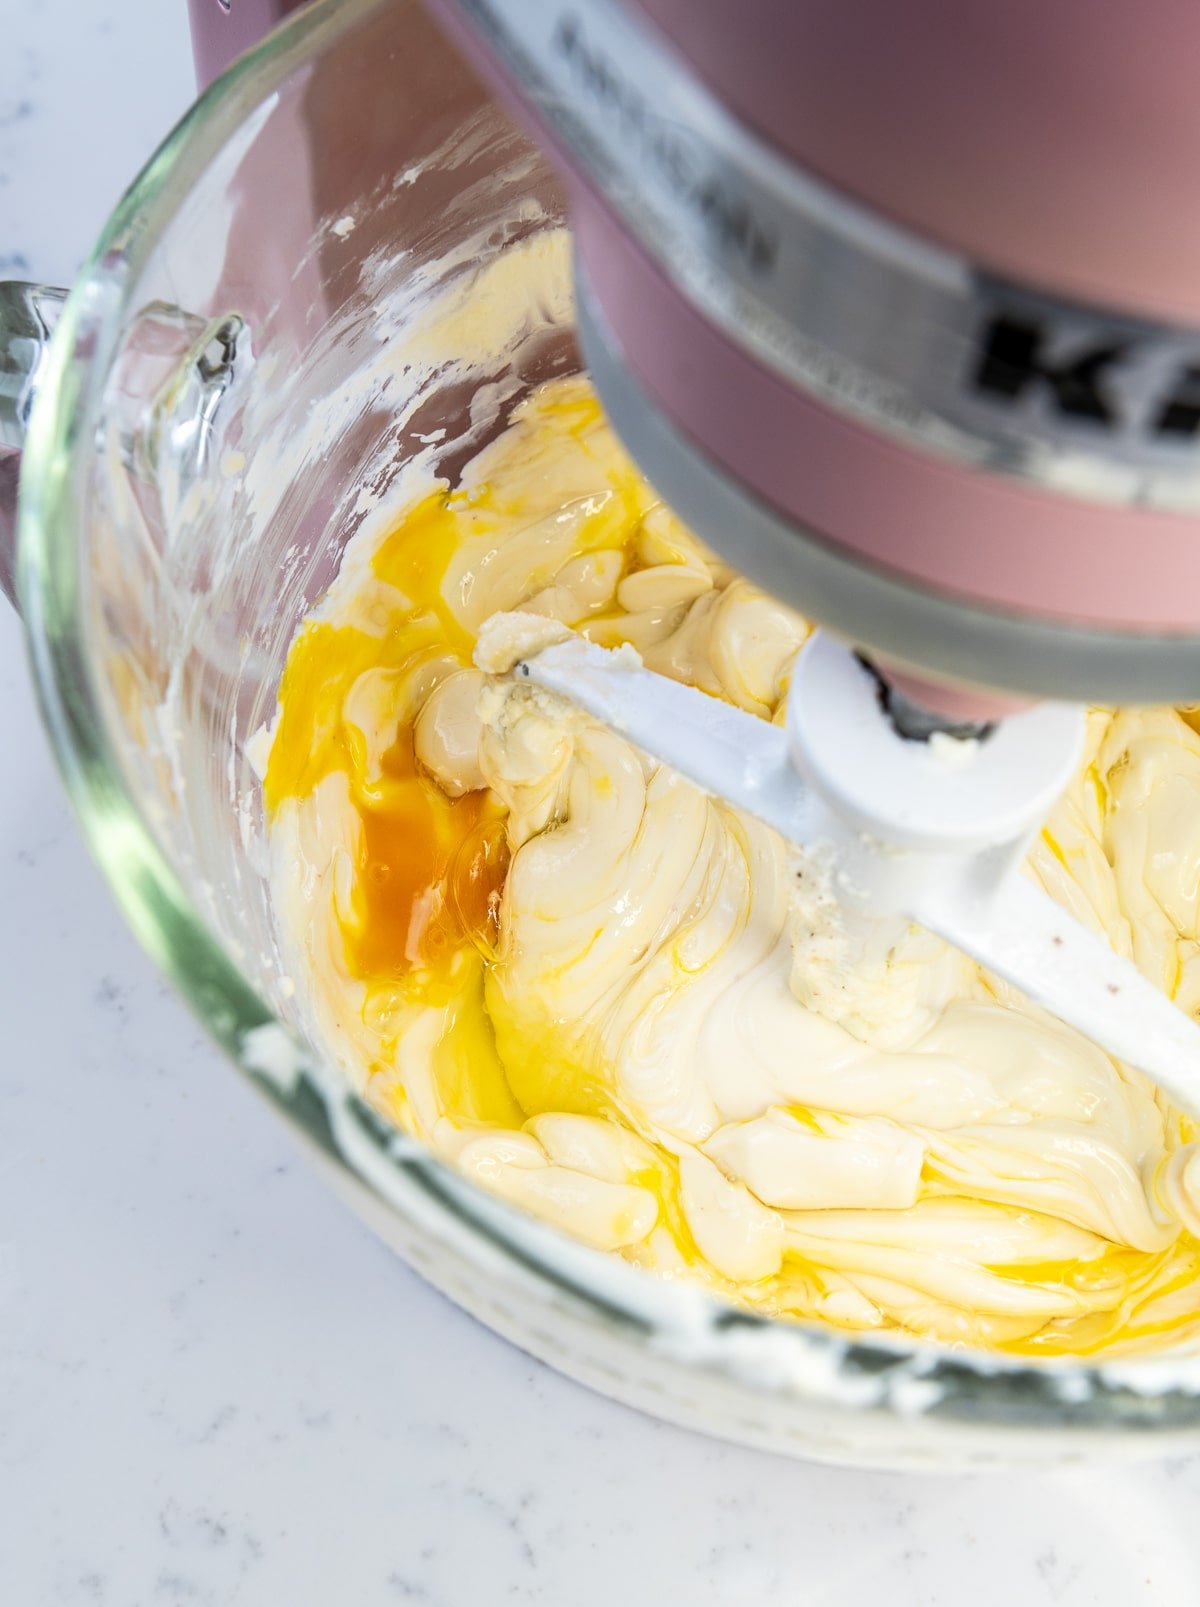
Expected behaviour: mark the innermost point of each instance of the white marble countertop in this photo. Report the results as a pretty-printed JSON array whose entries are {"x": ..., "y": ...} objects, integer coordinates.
[{"x": 215, "y": 1386}]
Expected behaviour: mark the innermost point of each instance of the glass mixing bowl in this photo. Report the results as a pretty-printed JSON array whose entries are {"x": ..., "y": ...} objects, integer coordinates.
[{"x": 240, "y": 361}]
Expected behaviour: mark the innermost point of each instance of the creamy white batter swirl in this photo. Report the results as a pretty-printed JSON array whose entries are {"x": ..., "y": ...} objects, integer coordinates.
[{"x": 654, "y": 1072}]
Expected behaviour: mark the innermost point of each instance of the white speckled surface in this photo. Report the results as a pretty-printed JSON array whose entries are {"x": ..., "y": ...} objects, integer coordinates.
[{"x": 215, "y": 1387}]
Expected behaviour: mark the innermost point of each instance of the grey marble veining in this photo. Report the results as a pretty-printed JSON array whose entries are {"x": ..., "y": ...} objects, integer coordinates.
[{"x": 215, "y": 1387}]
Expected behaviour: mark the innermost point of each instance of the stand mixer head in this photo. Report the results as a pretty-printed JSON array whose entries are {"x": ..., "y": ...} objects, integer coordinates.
[
  {"x": 900, "y": 309},
  {"x": 893, "y": 305}
]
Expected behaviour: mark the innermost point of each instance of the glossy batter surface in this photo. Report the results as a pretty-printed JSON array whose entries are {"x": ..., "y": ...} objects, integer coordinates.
[{"x": 589, "y": 986}]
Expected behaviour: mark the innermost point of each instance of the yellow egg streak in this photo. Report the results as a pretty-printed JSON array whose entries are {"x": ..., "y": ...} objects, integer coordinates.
[{"x": 430, "y": 869}]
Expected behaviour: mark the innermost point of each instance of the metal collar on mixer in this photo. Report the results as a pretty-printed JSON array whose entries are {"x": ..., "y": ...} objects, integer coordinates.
[{"x": 976, "y": 645}]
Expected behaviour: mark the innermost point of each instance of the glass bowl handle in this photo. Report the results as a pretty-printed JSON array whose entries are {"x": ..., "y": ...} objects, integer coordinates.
[{"x": 28, "y": 314}]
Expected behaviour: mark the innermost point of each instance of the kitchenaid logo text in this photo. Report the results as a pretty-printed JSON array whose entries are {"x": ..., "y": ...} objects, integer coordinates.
[
  {"x": 1095, "y": 382},
  {"x": 671, "y": 156}
]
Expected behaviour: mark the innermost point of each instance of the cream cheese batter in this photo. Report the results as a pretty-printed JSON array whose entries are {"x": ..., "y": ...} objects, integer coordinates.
[{"x": 603, "y": 995}]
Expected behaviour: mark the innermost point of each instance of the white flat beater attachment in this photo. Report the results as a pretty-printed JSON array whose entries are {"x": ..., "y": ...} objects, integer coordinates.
[{"x": 926, "y": 831}]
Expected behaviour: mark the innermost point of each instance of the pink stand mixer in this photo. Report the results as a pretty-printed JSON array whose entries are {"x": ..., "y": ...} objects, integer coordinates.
[{"x": 899, "y": 307}]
